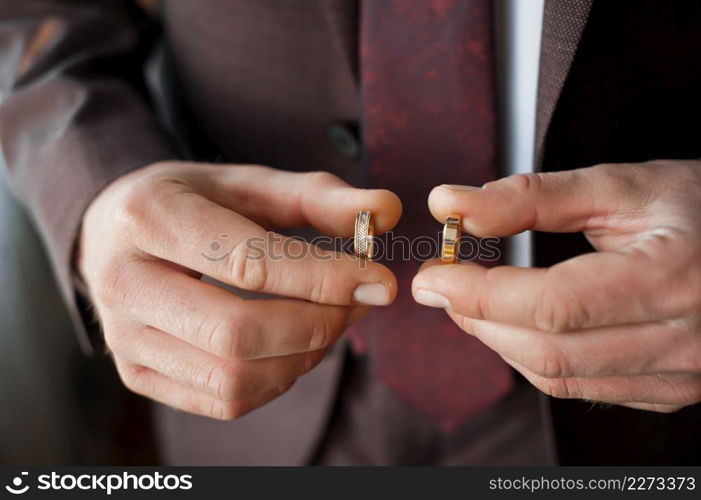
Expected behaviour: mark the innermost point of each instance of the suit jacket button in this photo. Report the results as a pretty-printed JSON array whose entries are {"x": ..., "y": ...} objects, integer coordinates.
[{"x": 344, "y": 138}]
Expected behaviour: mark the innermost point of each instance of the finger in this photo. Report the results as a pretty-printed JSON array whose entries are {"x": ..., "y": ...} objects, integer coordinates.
[
  {"x": 671, "y": 390},
  {"x": 183, "y": 228},
  {"x": 279, "y": 198},
  {"x": 157, "y": 387},
  {"x": 225, "y": 325},
  {"x": 597, "y": 289},
  {"x": 201, "y": 371},
  {"x": 640, "y": 349},
  {"x": 430, "y": 263},
  {"x": 653, "y": 407},
  {"x": 571, "y": 201}
]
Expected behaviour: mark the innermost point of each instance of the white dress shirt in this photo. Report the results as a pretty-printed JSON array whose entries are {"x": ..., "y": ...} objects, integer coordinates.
[{"x": 519, "y": 28}]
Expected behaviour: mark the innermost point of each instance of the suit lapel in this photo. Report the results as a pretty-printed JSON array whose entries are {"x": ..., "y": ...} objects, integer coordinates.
[
  {"x": 563, "y": 25},
  {"x": 342, "y": 19}
]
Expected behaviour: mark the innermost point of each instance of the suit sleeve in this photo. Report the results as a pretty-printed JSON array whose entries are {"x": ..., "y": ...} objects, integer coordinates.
[{"x": 73, "y": 117}]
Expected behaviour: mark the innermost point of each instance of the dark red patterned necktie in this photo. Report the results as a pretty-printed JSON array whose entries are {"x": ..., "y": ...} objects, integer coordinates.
[{"x": 427, "y": 72}]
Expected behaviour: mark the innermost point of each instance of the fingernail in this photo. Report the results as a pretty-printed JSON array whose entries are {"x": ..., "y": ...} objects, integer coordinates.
[
  {"x": 373, "y": 294},
  {"x": 430, "y": 263},
  {"x": 431, "y": 299}
]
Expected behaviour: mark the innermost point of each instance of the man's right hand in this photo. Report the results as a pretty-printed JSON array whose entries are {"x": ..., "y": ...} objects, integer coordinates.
[{"x": 148, "y": 238}]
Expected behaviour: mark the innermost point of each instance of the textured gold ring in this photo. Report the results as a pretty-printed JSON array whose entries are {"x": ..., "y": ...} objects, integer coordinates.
[
  {"x": 451, "y": 239},
  {"x": 363, "y": 243}
]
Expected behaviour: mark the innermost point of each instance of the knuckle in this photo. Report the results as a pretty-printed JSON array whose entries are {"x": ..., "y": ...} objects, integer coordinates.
[
  {"x": 548, "y": 364},
  {"x": 114, "y": 339},
  {"x": 471, "y": 327},
  {"x": 228, "y": 337},
  {"x": 616, "y": 174},
  {"x": 214, "y": 335},
  {"x": 559, "y": 310},
  {"x": 561, "y": 388},
  {"x": 136, "y": 204},
  {"x": 483, "y": 304},
  {"x": 164, "y": 167},
  {"x": 319, "y": 289},
  {"x": 110, "y": 283},
  {"x": 247, "y": 271},
  {"x": 629, "y": 179},
  {"x": 548, "y": 314},
  {"x": 243, "y": 341},
  {"x": 225, "y": 382},
  {"x": 320, "y": 177},
  {"x": 524, "y": 182},
  {"x": 130, "y": 210},
  {"x": 225, "y": 410},
  {"x": 321, "y": 334},
  {"x": 132, "y": 377}
]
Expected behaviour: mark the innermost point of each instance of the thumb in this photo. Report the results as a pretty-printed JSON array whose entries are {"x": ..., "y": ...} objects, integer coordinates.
[
  {"x": 280, "y": 198},
  {"x": 568, "y": 201}
]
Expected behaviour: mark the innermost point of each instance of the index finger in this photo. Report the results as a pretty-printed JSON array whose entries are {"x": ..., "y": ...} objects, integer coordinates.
[
  {"x": 278, "y": 198},
  {"x": 183, "y": 227}
]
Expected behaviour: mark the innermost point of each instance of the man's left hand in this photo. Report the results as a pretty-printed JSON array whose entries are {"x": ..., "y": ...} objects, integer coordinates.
[{"x": 620, "y": 325}]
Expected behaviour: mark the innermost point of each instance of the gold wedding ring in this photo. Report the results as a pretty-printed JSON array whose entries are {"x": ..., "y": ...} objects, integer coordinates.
[
  {"x": 451, "y": 239},
  {"x": 363, "y": 243}
]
